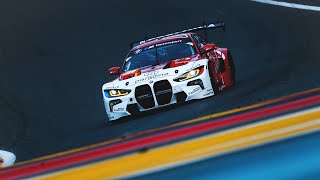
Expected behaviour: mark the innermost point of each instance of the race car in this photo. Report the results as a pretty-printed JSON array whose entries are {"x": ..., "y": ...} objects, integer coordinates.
[
  {"x": 6, "y": 158},
  {"x": 168, "y": 69}
]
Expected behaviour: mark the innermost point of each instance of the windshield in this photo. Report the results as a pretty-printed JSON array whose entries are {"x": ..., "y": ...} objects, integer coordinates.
[{"x": 159, "y": 53}]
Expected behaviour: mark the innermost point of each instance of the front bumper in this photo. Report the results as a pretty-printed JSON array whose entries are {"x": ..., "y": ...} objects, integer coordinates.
[{"x": 158, "y": 93}]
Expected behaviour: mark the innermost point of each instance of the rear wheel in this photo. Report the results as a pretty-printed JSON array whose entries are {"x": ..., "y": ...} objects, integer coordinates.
[{"x": 215, "y": 87}]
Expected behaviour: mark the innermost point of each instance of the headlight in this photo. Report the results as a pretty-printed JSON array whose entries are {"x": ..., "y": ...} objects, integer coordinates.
[
  {"x": 116, "y": 92},
  {"x": 191, "y": 74}
]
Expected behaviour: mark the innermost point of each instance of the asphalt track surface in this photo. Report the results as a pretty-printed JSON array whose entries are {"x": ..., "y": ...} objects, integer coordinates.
[
  {"x": 276, "y": 161},
  {"x": 54, "y": 56}
]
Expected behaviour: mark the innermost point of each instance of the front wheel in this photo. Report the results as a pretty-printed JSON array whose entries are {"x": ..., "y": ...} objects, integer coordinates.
[{"x": 214, "y": 86}]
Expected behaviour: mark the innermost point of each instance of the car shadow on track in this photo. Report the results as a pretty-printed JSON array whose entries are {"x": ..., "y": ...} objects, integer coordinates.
[
  {"x": 149, "y": 113},
  {"x": 153, "y": 112}
]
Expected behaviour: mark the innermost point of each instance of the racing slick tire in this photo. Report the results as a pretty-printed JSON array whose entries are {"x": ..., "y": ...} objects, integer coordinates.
[{"x": 214, "y": 86}]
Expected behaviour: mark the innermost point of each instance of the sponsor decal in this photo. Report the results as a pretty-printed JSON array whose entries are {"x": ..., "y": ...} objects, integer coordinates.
[
  {"x": 110, "y": 87},
  {"x": 169, "y": 42},
  {"x": 151, "y": 73},
  {"x": 194, "y": 91},
  {"x": 118, "y": 109},
  {"x": 150, "y": 76},
  {"x": 209, "y": 91}
]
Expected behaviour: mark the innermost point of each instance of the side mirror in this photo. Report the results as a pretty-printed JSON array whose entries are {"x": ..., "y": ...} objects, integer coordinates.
[
  {"x": 207, "y": 48},
  {"x": 114, "y": 70}
]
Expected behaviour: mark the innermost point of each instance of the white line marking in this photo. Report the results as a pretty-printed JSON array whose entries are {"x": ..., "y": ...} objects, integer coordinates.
[{"x": 289, "y": 5}]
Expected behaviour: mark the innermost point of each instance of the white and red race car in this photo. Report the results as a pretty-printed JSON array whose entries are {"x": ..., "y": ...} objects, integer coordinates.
[{"x": 166, "y": 70}]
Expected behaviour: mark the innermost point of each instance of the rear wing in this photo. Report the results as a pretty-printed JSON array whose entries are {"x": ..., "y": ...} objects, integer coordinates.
[{"x": 204, "y": 27}]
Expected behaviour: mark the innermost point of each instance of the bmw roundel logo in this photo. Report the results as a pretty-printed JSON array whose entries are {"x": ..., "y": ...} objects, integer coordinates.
[
  {"x": 150, "y": 82},
  {"x": 127, "y": 83}
]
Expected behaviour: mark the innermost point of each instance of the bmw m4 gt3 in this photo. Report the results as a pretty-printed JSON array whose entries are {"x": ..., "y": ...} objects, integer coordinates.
[{"x": 166, "y": 70}]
